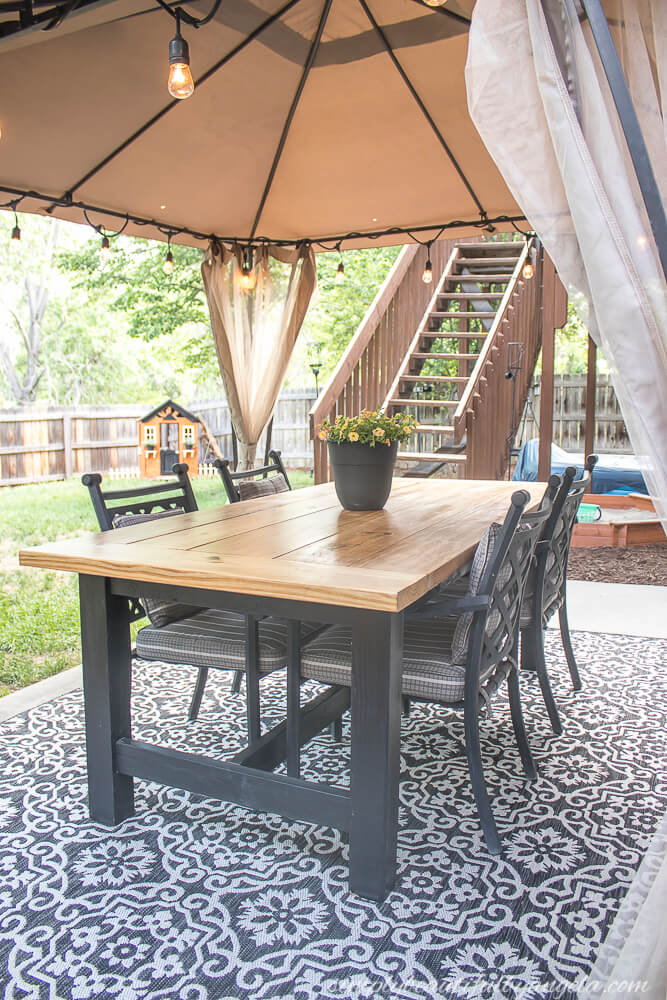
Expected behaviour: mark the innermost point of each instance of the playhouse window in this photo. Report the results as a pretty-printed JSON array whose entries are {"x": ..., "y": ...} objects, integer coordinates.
[
  {"x": 189, "y": 436},
  {"x": 149, "y": 435}
]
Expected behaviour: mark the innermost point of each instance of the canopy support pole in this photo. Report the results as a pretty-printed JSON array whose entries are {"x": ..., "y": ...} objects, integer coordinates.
[
  {"x": 591, "y": 383},
  {"x": 630, "y": 124}
]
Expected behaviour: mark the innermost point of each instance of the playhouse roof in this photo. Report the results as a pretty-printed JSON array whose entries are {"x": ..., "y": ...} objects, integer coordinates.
[{"x": 179, "y": 411}]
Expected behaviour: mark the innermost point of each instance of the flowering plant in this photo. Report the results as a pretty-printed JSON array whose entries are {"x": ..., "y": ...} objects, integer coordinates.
[{"x": 369, "y": 428}]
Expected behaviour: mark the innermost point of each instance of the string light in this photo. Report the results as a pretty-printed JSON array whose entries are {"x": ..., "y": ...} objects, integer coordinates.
[
  {"x": 168, "y": 266},
  {"x": 427, "y": 275},
  {"x": 528, "y": 271},
  {"x": 248, "y": 276},
  {"x": 179, "y": 82},
  {"x": 105, "y": 250},
  {"x": 16, "y": 231},
  {"x": 435, "y": 3},
  {"x": 340, "y": 271}
]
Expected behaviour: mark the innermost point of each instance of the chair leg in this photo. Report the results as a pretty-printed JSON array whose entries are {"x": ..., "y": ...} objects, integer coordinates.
[
  {"x": 532, "y": 658},
  {"x": 336, "y": 730},
  {"x": 567, "y": 646},
  {"x": 519, "y": 728},
  {"x": 474, "y": 755},
  {"x": 197, "y": 694},
  {"x": 236, "y": 682},
  {"x": 406, "y": 707},
  {"x": 252, "y": 679}
]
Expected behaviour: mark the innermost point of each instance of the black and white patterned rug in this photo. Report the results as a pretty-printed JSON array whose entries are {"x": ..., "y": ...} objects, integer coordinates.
[{"x": 199, "y": 900}]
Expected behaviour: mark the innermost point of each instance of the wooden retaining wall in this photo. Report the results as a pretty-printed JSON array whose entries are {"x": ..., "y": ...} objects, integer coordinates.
[{"x": 39, "y": 444}]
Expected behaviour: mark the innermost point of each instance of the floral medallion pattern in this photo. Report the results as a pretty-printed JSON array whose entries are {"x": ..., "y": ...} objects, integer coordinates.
[{"x": 199, "y": 900}]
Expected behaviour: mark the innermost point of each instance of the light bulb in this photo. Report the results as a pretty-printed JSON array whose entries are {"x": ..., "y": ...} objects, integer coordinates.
[
  {"x": 248, "y": 279},
  {"x": 16, "y": 234},
  {"x": 435, "y": 3},
  {"x": 340, "y": 274},
  {"x": 528, "y": 271},
  {"x": 105, "y": 250},
  {"x": 168, "y": 266},
  {"x": 179, "y": 82},
  {"x": 427, "y": 276}
]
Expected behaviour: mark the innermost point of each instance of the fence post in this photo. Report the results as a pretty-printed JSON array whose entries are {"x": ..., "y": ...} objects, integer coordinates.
[{"x": 67, "y": 443}]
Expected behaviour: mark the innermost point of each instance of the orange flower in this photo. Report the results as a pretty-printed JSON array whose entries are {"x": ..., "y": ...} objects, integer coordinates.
[
  {"x": 323, "y": 435},
  {"x": 378, "y": 432}
]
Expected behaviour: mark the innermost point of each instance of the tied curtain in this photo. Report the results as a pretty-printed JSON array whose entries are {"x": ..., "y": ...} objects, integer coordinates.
[
  {"x": 539, "y": 98},
  {"x": 255, "y": 328}
]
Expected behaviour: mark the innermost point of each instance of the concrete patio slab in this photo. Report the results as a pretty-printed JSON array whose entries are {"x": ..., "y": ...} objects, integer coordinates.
[{"x": 616, "y": 608}]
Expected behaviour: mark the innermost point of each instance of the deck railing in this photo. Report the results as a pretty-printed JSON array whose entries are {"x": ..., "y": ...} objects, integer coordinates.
[{"x": 485, "y": 413}]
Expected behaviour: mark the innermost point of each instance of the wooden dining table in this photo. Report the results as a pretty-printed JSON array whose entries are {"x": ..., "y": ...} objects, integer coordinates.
[{"x": 300, "y": 557}]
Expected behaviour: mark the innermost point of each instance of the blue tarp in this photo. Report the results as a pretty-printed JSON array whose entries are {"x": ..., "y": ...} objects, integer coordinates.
[{"x": 612, "y": 474}]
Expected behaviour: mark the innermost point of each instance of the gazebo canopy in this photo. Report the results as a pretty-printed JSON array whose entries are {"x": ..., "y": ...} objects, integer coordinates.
[{"x": 311, "y": 119}]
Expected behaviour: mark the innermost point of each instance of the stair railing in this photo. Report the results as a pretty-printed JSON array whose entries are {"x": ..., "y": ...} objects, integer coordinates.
[{"x": 368, "y": 366}]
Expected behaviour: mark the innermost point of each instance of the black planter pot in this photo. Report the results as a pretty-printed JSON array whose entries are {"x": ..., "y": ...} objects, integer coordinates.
[{"x": 362, "y": 475}]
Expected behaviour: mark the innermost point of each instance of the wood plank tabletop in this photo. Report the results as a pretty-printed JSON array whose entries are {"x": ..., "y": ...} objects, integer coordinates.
[{"x": 302, "y": 545}]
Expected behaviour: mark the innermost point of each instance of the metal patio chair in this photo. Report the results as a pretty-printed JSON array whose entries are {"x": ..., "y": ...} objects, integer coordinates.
[
  {"x": 547, "y": 585},
  {"x": 456, "y": 651},
  {"x": 182, "y": 634},
  {"x": 248, "y": 487}
]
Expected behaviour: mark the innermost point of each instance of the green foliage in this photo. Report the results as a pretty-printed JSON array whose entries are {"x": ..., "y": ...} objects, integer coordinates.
[{"x": 369, "y": 428}]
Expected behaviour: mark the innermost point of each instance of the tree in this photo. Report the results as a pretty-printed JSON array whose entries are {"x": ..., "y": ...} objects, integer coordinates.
[{"x": 25, "y": 311}]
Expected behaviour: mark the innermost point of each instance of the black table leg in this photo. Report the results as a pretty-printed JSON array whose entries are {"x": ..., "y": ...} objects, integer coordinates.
[
  {"x": 105, "y": 642},
  {"x": 377, "y": 652}
]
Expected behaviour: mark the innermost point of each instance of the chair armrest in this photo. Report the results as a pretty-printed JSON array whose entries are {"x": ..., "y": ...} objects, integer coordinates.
[{"x": 451, "y": 607}]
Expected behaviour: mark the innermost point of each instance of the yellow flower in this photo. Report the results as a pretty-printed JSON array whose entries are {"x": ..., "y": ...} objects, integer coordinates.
[
  {"x": 323, "y": 435},
  {"x": 354, "y": 436},
  {"x": 378, "y": 432}
]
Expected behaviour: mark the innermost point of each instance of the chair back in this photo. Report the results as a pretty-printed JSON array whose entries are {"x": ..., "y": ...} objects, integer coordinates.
[
  {"x": 554, "y": 552},
  {"x": 494, "y": 634},
  {"x": 230, "y": 478},
  {"x": 176, "y": 494}
]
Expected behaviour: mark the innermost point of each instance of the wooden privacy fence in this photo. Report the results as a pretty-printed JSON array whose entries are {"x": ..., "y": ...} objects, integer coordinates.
[
  {"x": 569, "y": 415},
  {"x": 39, "y": 444}
]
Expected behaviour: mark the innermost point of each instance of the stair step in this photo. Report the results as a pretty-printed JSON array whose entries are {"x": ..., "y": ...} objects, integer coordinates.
[
  {"x": 426, "y": 355},
  {"x": 486, "y": 260},
  {"x": 482, "y": 314},
  {"x": 470, "y": 295},
  {"x": 455, "y": 334},
  {"x": 433, "y": 378},
  {"x": 483, "y": 278},
  {"x": 410, "y": 401},
  {"x": 433, "y": 429},
  {"x": 430, "y": 456}
]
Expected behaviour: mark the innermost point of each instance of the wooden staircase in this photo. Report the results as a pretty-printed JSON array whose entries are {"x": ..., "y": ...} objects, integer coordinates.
[
  {"x": 440, "y": 368},
  {"x": 442, "y": 351}
]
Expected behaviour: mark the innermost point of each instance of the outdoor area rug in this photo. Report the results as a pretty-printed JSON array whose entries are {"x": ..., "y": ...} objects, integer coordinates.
[{"x": 198, "y": 900}]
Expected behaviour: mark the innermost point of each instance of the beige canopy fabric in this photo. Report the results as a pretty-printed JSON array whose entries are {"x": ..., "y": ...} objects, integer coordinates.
[
  {"x": 568, "y": 163},
  {"x": 365, "y": 141},
  {"x": 255, "y": 329}
]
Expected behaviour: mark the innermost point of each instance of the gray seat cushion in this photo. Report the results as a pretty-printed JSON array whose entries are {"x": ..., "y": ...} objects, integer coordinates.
[
  {"x": 428, "y": 671},
  {"x": 160, "y": 611},
  {"x": 215, "y": 639},
  {"x": 249, "y": 489}
]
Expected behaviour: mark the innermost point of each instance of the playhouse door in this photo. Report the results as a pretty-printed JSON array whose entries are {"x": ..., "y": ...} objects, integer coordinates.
[{"x": 168, "y": 448}]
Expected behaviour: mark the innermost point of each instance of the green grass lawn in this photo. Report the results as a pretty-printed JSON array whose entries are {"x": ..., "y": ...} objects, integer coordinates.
[{"x": 39, "y": 612}]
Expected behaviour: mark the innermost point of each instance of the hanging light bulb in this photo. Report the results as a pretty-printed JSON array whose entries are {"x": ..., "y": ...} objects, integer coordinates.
[
  {"x": 528, "y": 271},
  {"x": 16, "y": 232},
  {"x": 105, "y": 250},
  {"x": 248, "y": 276},
  {"x": 427, "y": 274},
  {"x": 340, "y": 274},
  {"x": 435, "y": 3},
  {"x": 179, "y": 82},
  {"x": 168, "y": 266}
]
